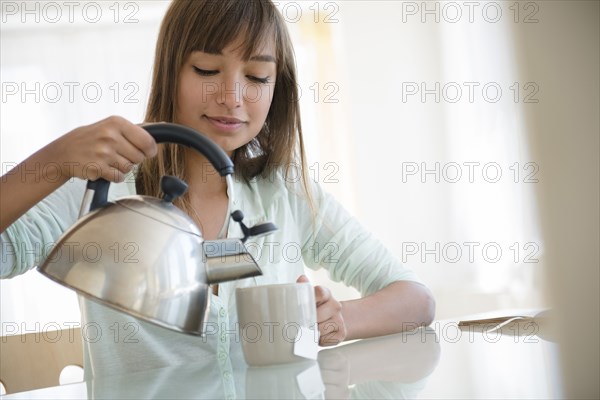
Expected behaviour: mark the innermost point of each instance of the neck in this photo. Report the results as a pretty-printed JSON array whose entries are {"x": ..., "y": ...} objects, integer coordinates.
[{"x": 203, "y": 177}]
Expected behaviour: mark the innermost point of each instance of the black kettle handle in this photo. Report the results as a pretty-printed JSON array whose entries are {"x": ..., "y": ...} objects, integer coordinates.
[{"x": 166, "y": 132}]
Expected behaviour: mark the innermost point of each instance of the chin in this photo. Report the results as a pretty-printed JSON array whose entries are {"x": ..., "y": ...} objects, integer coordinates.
[
  {"x": 227, "y": 144},
  {"x": 228, "y": 141}
]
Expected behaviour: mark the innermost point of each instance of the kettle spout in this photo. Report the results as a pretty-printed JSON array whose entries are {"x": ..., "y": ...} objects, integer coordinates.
[{"x": 228, "y": 260}]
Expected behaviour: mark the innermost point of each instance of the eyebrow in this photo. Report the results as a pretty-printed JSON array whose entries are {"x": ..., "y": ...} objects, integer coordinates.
[
  {"x": 264, "y": 58},
  {"x": 259, "y": 57}
]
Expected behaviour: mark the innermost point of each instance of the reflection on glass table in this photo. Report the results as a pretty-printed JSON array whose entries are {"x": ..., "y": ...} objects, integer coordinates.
[
  {"x": 394, "y": 366},
  {"x": 444, "y": 360},
  {"x": 389, "y": 367}
]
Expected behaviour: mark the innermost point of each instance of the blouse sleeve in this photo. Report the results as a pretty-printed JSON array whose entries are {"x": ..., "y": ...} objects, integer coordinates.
[
  {"x": 30, "y": 239},
  {"x": 336, "y": 241}
]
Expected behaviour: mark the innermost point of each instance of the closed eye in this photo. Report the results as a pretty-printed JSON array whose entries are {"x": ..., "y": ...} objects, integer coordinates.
[
  {"x": 203, "y": 72},
  {"x": 258, "y": 80}
]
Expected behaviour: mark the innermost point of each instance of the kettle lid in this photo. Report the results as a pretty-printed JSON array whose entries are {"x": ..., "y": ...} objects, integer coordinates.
[{"x": 161, "y": 211}]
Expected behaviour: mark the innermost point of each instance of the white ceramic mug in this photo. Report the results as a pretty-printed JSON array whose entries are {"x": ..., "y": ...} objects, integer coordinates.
[{"x": 276, "y": 321}]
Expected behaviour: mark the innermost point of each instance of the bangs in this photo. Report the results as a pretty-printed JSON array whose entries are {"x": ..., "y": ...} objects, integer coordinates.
[{"x": 219, "y": 23}]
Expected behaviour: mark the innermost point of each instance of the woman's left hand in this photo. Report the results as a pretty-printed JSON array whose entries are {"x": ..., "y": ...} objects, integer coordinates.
[{"x": 332, "y": 329}]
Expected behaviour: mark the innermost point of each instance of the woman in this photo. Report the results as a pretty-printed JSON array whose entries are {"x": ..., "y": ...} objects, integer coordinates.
[{"x": 227, "y": 70}]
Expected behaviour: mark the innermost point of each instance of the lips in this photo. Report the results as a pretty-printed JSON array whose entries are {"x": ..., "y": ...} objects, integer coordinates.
[
  {"x": 225, "y": 124},
  {"x": 226, "y": 120}
]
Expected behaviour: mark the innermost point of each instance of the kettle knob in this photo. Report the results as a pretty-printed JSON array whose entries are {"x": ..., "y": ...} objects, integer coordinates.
[
  {"x": 172, "y": 188},
  {"x": 257, "y": 230}
]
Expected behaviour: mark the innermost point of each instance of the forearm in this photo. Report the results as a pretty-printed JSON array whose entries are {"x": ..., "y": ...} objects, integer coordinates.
[
  {"x": 110, "y": 147},
  {"x": 27, "y": 184},
  {"x": 400, "y": 306}
]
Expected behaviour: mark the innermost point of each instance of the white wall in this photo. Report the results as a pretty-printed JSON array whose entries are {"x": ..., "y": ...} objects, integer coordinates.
[{"x": 562, "y": 53}]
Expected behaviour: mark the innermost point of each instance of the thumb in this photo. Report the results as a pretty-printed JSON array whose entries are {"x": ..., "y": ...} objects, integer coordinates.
[{"x": 302, "y": 279}]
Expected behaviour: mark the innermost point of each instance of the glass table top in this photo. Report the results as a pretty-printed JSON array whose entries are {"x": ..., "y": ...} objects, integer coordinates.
[{"x": 440, "y": 361}]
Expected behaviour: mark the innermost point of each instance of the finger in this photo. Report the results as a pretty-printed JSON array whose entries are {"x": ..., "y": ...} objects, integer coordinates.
[
  {"x": 331, "y": 339},
  {"x": 328, "y": 310},
  {"x": 140, "y": 139},
  {"x": 115, "y": 172},
  {"x": 136, "y": 136},
  {"x": 114, "y": 175},
  {"x": 131, "y": 154},
  {"x": 116, "y": 169},
  {"x": 322, "y": 295},
  {"x": 332, "y": 332},
  {"x": 122, "y": 164},
  {"x": 302, "y": 279}
]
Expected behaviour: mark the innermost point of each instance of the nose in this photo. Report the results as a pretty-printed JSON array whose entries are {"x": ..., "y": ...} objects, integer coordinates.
[{"x": 230, "y": 93}]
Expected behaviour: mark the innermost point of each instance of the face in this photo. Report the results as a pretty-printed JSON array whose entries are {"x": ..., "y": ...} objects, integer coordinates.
[{"x": 225, "y": 97}]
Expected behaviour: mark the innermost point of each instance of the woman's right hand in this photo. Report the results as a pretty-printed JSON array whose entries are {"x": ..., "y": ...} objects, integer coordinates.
[{"x": 108, "y": 149}]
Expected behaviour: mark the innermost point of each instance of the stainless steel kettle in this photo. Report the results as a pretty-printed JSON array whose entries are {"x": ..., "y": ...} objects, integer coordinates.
[{"x": 144, "y": 256}]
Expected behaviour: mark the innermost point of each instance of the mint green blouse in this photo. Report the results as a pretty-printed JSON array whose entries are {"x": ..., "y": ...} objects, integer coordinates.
[{"x": 116, "y": 343}]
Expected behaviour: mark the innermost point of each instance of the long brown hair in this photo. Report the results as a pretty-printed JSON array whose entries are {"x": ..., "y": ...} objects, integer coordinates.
[{"x": 209, "y": 26}]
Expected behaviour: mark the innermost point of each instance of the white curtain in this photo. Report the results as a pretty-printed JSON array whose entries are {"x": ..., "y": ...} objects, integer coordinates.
[{"x": 434, "y": 142}]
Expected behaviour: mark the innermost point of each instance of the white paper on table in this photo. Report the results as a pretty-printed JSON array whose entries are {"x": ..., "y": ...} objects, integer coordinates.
[{"x": 305, "y": 344}]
